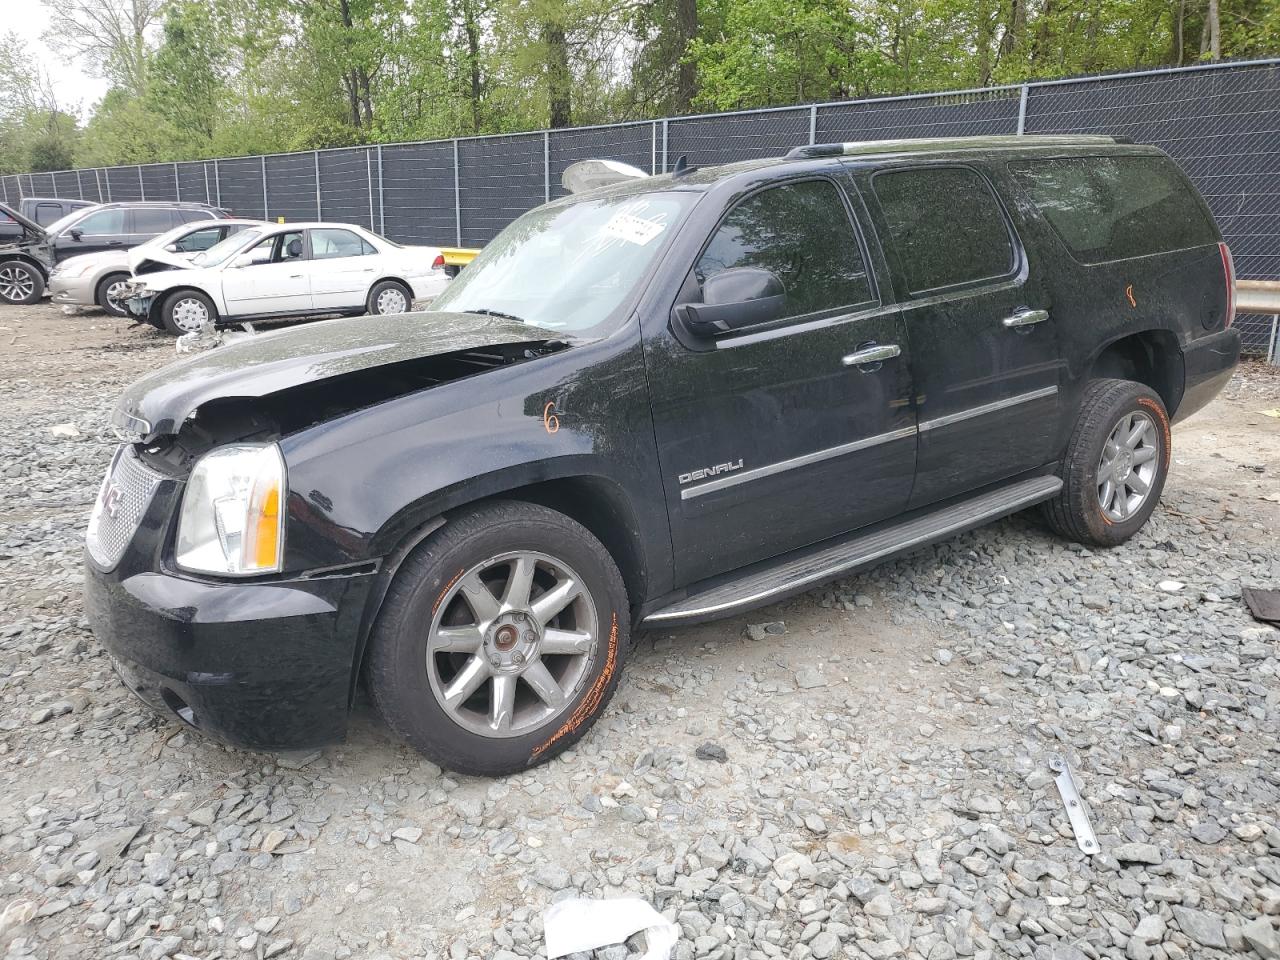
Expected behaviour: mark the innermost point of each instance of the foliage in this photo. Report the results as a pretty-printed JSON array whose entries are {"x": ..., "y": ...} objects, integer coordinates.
[{"x": 202, "y": 78}]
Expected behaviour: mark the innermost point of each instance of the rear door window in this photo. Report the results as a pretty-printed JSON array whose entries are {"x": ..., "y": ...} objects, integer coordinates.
[
  {"x": 152, "y": 221},
  {"x": 201, "y": 239},
  {"x": 802, "y": 233},
  {"x": 328, "y": 243},
  {"x": 47, "y": 213},
  {"x": 946, "y": 226},
  {"x": 1113, "y": 208}
]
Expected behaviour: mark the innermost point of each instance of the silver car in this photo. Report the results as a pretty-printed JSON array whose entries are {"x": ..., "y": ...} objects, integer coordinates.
[{"x": 98, "y": 279}]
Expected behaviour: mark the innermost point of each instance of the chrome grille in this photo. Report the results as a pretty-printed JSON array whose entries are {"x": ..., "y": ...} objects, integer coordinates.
[{"x": 126, "y": 494}]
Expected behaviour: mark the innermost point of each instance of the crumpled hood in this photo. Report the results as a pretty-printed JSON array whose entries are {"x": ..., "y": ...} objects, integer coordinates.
[
  {"x": 154, "y": 251},
  {"x": 160, "y": 402}
]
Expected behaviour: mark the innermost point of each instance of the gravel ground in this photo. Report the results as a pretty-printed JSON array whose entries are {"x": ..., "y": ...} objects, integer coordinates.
[{"x": 872, "y": 781}]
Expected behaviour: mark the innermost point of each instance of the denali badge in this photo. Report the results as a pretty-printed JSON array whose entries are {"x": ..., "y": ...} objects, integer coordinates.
[{"x": 704, "y": 472}]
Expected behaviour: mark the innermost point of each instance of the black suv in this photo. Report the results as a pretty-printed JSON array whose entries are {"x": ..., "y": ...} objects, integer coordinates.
[
  {"x": 649, "y": 405},
  {"x": 26, "y": 261}
]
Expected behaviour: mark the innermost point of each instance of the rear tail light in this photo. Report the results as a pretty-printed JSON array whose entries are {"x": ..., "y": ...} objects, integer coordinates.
[
  {"x": 438, "y": 262},
  {"x": 1229, "y": 276}
]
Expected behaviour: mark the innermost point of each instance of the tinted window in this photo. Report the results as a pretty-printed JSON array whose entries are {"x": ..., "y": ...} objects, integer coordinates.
[
  {"x": 326, "y": 244},
  {"x": 201, "y": 239},
  {"x": 801, "y": 232},
  {"x": 189, "y": 216},
  {"x": 945, "y": 225},
  {"x": 103, "y": 223},
  {"x": 1110, "y": 208},
  {"x": 153, "y": 221},
  {"x": 46, "y": 213}
]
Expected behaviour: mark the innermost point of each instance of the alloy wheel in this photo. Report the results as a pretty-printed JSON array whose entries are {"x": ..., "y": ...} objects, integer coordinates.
[
  {"x": 114, "y": 294},
  {"x": 511, "y": 644},
  {"x": 1127, "y": 468},
  {"x": 16, "y": 284},
  {"x": 391, "y": 300}
]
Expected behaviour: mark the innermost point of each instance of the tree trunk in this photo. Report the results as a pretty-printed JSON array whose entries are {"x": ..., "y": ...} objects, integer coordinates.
[
  {"x": 1215, "y": 31},
  {"x": 686, "y": 72},
  {"x": 1179, "y": 26},
  {"x": 559, "y": 79}
]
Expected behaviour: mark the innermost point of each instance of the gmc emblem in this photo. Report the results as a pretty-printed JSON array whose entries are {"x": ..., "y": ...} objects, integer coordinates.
[{"x": 111, "y": 498}]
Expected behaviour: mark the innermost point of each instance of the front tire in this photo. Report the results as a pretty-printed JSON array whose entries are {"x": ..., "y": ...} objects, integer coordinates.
[
  {"x": 389, "y": 297},
  {"x": 501, "y": 639},
  {"x": 187, "y": 311},
  {"x": 107, "y": 294},
  {"x": 20, "y": 282},
  {"x": 1115, "y": 466}
]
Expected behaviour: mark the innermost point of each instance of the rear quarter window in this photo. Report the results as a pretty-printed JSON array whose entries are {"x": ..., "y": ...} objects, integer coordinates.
[
  {"x": 1115, "y": 208},
  {"x": 945, "y": 225}
]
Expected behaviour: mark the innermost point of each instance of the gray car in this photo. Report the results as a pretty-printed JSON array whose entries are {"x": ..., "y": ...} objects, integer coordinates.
[{"x": 96, "y": 279}]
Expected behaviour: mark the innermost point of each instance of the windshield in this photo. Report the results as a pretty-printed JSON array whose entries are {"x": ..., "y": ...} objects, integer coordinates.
[
  {"x": 225, "y": 248},
  {"x": 568, "y": 267}
]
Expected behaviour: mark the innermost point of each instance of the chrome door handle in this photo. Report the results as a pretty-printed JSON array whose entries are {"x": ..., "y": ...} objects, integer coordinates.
[
  {"x": 1025, "y": 318},
  {"x": 876, "y": 353},
  {"x": 295, "y": 276}
]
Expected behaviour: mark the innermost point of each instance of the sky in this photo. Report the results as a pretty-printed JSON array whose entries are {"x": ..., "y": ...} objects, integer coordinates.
[{"x": 77, "y": 88}]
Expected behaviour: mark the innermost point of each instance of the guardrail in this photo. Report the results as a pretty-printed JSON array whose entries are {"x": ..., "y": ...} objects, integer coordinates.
[{"x": 1262, "y": 297}]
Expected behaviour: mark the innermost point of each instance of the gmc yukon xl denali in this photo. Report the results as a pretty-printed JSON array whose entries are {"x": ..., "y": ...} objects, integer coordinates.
[{"x": 652, "y": 404}]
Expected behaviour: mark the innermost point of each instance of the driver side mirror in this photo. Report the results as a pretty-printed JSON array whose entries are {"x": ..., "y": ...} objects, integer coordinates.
[
  {"x": 75, "y": 234},
  {"x": 251, "y": 258},
  {"x": 734, "y": 299}
]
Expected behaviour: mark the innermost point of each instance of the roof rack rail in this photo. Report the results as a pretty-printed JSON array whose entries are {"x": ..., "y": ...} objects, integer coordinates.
[{"x": 884, "y": 146}]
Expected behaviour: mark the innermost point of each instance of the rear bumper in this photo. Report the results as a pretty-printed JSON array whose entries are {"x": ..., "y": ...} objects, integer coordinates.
[
  {"x": 429, "y": 286},
  {"x": 265, "y": 666},
  {"x": 1208, "y": 363}
]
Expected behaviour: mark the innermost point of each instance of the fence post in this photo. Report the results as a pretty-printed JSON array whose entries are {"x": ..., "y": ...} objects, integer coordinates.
[
  {"x": 546, "y": 166},
  {"x": 316, "y": 155},
  {"x": 664, "y": 146},
  {"x": 1272, "y": 356},
  {"x": 653, "y": 148},
  {"x": 208, "y": 197},
  {"x": 266, "y": 205},
  {"x": 457, "y": 194},
  {"x": 98, "y": 174},
  {"x": 382, "y": 197},
  {"x": 177, "y": 184},
  {"x": 813, "y": 124},
  {"x": 217, "y": 182},
  {"x": 142, "y": 187},
  {"x": 1022, "y": 110}
]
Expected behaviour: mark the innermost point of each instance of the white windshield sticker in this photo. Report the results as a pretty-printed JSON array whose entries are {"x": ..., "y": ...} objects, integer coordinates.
[{"x": 633, "y": 229}]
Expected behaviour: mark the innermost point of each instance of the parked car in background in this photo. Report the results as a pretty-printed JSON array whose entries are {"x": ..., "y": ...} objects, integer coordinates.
[
  {"x": 651, "y": 405},
  {"x": 43, "y": 210},
  {"x": 25, "y": 263},
  {"x": 97, "y": 279},
  {"x": 285, "y": 271}
]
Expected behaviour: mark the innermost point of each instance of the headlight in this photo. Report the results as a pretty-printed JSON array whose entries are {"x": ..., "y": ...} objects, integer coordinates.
[
  {"x": 231, "y": 521},
  {"x": 72, "y": 269}
]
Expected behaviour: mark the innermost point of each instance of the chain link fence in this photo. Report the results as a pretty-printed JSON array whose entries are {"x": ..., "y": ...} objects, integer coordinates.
[{"x": 1220, "y": 122}]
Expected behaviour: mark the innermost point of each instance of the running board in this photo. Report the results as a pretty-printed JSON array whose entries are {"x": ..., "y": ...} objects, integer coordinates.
[{"x": 793, "y": 574}]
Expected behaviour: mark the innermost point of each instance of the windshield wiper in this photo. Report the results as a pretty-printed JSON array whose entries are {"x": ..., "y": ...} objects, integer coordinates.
[{"x": 485, "y": 311}]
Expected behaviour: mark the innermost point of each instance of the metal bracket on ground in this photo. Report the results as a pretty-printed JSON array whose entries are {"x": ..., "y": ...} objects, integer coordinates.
[{"x": 1086, "y": 840}]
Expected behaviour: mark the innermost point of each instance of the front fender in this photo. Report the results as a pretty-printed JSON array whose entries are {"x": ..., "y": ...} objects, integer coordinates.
[{"x": 361, "y": 483}]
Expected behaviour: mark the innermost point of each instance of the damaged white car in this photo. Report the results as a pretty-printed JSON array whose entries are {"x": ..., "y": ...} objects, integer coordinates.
[
  {"x": 99, "y": 279},
  {"x": 288, "y": 271}
]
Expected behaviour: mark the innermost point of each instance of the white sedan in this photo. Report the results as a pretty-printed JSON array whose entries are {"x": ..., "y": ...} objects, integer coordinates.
[{"x": 282, "y": 271}]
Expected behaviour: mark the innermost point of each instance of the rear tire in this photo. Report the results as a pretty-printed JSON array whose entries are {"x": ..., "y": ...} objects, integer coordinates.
[
  {"x": 389, "y": 297},
  {"x": 186, "y": 312},
  {"x": 478, "y": 661},
  {"x": 1115, "y": 466},
  {"x": 105, "y": 291},
  {"x": 20, "y": 282}
]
